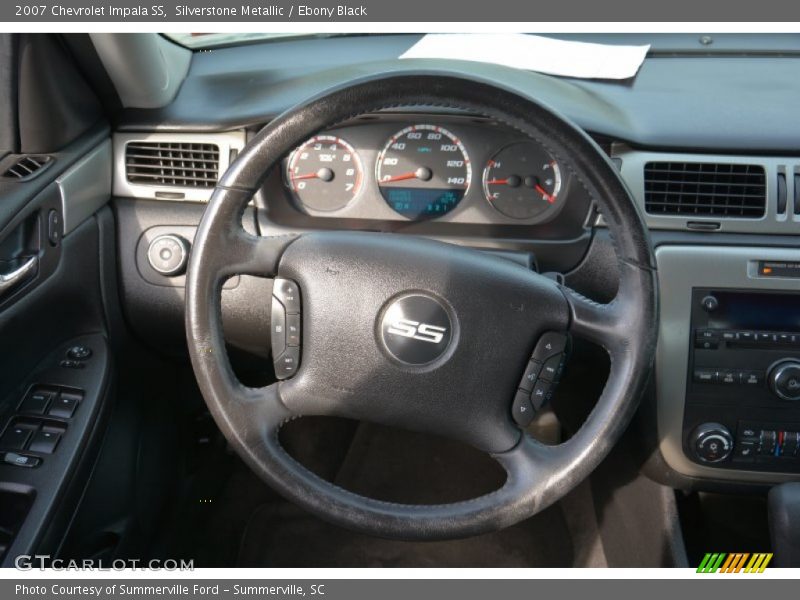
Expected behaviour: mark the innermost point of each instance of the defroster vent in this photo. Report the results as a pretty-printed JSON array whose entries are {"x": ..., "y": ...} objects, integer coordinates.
[
  {"x": 705, "y": 189},
  {"x": 27, "y": 167},
  {"x": 172, "y": 164}
]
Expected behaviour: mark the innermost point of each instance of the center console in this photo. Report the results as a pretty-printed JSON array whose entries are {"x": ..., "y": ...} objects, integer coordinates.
[
  {"x": 728, "y": 362},
  {"x": 742, "y": 406}
]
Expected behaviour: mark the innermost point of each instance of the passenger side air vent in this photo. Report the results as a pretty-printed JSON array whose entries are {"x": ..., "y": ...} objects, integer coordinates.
[
  {"x": 705, "y": 189},
  {"x": 193, "y": 165},
  {"x": 27, "y": 167}
]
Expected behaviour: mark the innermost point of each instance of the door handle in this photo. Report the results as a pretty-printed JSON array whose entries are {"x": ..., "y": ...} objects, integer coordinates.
[{"x": 8, "y": 281}]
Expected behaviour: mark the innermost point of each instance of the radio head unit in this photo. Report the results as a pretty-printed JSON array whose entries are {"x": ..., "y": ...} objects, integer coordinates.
[{"x": 743, "y": 386}]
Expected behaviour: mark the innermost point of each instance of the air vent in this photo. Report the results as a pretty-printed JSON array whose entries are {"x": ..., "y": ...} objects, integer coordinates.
[
  {"x": 27, "y": 167},
  {"x": 705, "y": 189},
  {"x": 192, "y": 165}
]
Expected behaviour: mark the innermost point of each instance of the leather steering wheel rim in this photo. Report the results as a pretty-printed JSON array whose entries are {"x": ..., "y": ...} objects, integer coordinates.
[{"x": 250, "y": 418}]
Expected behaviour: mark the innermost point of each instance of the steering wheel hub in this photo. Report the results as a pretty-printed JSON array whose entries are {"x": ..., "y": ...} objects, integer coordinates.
[{"x": 416, "y": 328}]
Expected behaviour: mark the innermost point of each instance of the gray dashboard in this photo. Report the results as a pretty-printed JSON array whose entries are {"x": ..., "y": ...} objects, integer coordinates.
[
  {"x": 720, "y": 105},
  {"x": 715, "y": 98}
]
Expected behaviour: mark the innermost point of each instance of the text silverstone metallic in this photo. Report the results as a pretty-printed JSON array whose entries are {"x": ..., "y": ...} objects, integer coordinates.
[{"x": 271, "y": 10}]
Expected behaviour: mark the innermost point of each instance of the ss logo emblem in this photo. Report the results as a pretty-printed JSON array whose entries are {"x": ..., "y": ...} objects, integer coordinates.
[{"x": 423, "y": 332}]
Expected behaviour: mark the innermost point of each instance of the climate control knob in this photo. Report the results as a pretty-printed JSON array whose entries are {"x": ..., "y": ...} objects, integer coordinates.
[
  {"x": 711, "y": 442},
  {"x": 784, "y": 379}
]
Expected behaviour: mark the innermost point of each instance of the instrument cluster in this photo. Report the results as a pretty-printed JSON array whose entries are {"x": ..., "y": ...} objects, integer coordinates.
[{"x": 424, "y": 167}]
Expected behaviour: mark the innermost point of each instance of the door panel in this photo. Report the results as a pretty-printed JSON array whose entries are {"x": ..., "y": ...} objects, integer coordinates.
[{"x": 56, "y": 376}]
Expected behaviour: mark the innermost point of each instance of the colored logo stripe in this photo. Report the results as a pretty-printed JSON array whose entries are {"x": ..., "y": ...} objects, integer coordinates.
[
  {"x": 722, "y": 562},
  {"x": 758, "y": 563}
]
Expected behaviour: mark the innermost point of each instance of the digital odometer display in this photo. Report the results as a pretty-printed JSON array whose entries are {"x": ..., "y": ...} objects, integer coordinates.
[{"x": 423, "y": 171}]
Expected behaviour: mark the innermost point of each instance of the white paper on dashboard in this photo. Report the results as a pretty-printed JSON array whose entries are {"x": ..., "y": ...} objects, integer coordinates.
[{"x": 534, "y": 53}]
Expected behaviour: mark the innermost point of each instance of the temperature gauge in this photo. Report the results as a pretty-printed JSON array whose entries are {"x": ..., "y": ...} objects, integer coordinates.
[{"x": 522, "y": 181}]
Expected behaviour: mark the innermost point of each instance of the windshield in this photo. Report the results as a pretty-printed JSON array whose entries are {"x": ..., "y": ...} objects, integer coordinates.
[
  {"x": 660, "y": 43},
  {"x": 209, "y": 40}
]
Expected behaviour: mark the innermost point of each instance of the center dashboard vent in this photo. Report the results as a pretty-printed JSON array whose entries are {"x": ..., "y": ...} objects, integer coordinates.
[
  {"x": 173, "y": 164},
  {"x": 705, "y": 189}
]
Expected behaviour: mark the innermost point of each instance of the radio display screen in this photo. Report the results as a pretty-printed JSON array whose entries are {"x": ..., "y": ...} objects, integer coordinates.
[{"x": 756, "y": 310}]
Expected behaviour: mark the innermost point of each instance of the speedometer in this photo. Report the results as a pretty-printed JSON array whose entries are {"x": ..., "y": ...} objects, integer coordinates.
[{"x": 423, "y": 171}]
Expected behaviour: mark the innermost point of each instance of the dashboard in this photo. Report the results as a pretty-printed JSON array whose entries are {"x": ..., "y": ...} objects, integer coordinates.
[{"x": 469, "y": 180}]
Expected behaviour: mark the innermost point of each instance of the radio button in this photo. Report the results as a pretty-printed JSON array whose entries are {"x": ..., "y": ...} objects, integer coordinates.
[
  {"x": 766, "y": 338},
  {"x": 541, "y": 394},
  {"x": 709, "y": 303},
  {"x": 522, "y": 410},
  {"x": 784, "y": 379},
  {"x": 751, "y": 377},
  {"x": 550, "y": 344},
  {"x": 551, "y": 370},
  {"x": 707, "y": 339},
  {"x": 530, "y": 376},
  {"x": 705, "y": 375},
  {"x": 706, "y": 334}
]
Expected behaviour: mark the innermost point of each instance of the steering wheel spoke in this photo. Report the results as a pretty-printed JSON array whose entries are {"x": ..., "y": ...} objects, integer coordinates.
[
  {"x": 614, "y": 324},
  {"x": 593, "y": 321},
  {"x": 238, "y": 252},
  {"x": 249, "y": 254}
]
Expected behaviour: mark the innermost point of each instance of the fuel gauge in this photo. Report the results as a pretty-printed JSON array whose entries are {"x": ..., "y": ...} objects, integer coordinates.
[{"x": 522, "y": 181}]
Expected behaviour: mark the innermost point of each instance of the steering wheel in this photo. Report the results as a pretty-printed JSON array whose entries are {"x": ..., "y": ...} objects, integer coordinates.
[{"x": 483, "y": 317}]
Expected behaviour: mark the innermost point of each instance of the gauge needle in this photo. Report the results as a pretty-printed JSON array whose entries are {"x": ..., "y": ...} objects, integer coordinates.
[
  {"x": 514, "y": 181},
  {"x": 423, "y": 174},
  {"x": 511, "y": 181},
  {"x": 402, "y": 177},
  {"x": 325, "y": 174},
  {"x": 544, "y": 193}
]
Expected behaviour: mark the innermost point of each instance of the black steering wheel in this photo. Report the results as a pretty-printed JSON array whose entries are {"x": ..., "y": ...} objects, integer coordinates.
[{"x": 484, "y": 315}]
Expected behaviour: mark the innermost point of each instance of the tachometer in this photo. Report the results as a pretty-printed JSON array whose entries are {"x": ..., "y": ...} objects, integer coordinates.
[
  {"x": 324, "y": 173},
  {"x": 423, "y": 171},
  {"x": 522, "y": 181}
]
